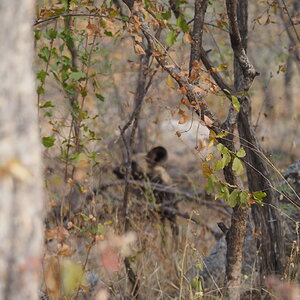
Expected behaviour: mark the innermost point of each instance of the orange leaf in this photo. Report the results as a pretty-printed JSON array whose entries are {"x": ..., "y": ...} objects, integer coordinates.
[
  {"x": 182, "y": 91},
  {"x": 185, "y": 102},
  {"x": 206, "y": 169},
  {"x": 92, "y": 29}
]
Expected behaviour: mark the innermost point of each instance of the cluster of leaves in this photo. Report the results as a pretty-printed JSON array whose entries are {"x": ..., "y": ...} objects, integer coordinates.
[
  {"x": 230, "y": 193},
  {"x": 55, "y": 45}
]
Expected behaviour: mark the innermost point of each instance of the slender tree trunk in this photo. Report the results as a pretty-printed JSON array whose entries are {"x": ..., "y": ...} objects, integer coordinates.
[
  {"x": 235, "y": 237},
  {"x": 20, "y": 165},
  {"x": 266, "y": 218},
  {"x": 288, "y": 93}
]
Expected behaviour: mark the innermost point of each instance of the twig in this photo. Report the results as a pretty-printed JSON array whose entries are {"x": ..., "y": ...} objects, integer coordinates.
[{"x": 40, "y": 21}]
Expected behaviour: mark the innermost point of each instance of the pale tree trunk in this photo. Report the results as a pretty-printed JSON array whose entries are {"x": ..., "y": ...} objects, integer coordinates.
[{"x": 20, "y": 153}]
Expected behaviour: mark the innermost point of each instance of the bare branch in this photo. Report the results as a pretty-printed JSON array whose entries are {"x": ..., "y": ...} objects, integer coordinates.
[
  {"x": 200, "y": 10},
  {"x": 237, "y": 46}
]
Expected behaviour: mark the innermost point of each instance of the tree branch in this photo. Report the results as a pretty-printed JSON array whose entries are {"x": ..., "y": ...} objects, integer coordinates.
[
  {"x": 237, "y": 47},
  {"x": 200, "y": 10}
]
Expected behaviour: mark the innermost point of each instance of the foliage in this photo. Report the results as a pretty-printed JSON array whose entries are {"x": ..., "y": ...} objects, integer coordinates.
[{"x": 77, "y": 47}]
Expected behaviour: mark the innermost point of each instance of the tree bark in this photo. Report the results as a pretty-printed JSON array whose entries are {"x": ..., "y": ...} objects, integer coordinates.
[
  {"x": 266, "y": 218},
  {"x": 20, "y": 157}
]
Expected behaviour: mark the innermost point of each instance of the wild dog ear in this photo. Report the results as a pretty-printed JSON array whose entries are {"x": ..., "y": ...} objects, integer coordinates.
[{"x": 157, "y": 155}]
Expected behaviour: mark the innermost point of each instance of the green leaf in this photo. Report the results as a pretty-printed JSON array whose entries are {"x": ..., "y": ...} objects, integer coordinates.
[
  {"x": 226, "y": 193},
  {"x": 219, "y": 165},
  {"x": 182, "y": 24},
  {"x": 77, "y": 75},
  {"x": 114, "y": 13},
  {"x": 223, "y": 193},
  {"x": 259, "y": 194},
  {"x": 41, "y": 75},
  {"x": 37, "y": 34},
  {"x": 237, "y": 166},
  {"x": 84, "y": 217},
  {"x": 44, "y": 54},
  {"x": 222, "y": 149},
  {"x": 147, "y": 3},
  {"x": 244, "y": 198},
  {"x": 40, "y": 90},
  {"x": 233, "y": 198},
  {"x": 101, "y": 228},
  {"x": 108, "y": 33},
  {"x": 241, "y": 153},
  {"x": 235, "y": 102},
  {"x": 166, "y": 15},
  {"x": 226, "y": 159},
  {"x": 47, "y": 105},
  {"x": 210, "y": 184},
  {"x": 48, "y": 141},
  {"x": 258, "y": 197},
  {"x": 171, "y": 38},
  {"x": 100, "y": 97},
  {"x": 50, "y": 34}
]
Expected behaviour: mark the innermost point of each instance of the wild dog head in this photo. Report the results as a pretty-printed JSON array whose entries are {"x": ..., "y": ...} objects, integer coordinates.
[{"x": 147, "y": 166}]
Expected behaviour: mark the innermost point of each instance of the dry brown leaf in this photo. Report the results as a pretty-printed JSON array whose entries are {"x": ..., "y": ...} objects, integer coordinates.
[
  {"x": 206, "y": 169},
  {"x": 169, "y": 66},
  {"x": 181, "y": 112},
  {"x": 139, "y": 50},
  {"x": 208, "y": 122},
  {"x": 59, "y": 233},
  {"x": 182, "y": 91},
  {"x": 65, "y": 250},
  {"x": 92, "y": 29},
  {"x": 197, "y": 89},
  {"x": 137, "y": 37},
  {"x": 185, "y": 102},
  {"x": 183, "y": 119},
  {"x": 202, "y": 145},
  {"x": 52, "y": 276},
  {"x": 188, "y": 38}
]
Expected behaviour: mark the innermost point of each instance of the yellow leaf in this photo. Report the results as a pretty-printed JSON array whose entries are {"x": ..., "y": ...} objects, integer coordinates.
[
  {"x": 210, "y": 144},
  {"x": 170, "y": 82},
  {"x": 209, "y": 157}
]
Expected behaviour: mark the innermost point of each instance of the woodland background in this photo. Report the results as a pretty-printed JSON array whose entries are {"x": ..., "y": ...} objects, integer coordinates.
[{"x": 213, "y": 82}]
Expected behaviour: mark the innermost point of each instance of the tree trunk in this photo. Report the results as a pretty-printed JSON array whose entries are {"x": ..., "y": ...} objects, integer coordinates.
[
  {"x": 20, "y": 157},
  {"x": 288, "y": 92},
  {"x": 266, "y": 218}
]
